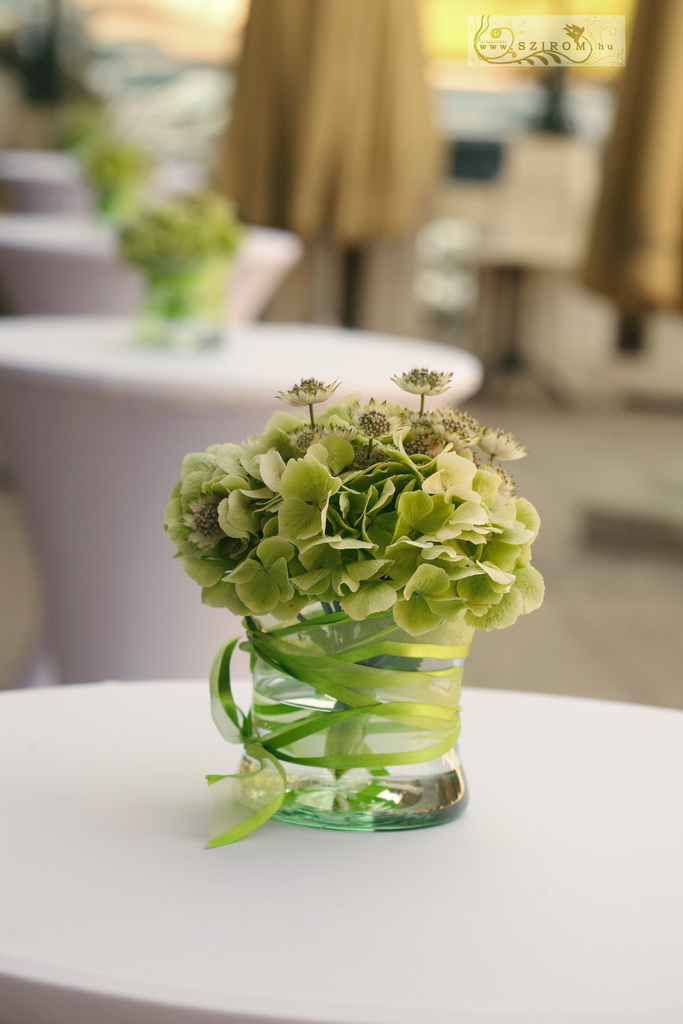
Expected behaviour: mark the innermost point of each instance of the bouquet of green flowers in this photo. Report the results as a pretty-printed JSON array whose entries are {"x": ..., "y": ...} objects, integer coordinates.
[
  {"x": 184, "y": 247},
  {"x": 118, "y": 172},
  {"x": 182, "y": 233},
  {"x": 363, "y": 546},
  {"x": 81, "y": 126},
  {"x": 368, "y": 508}
]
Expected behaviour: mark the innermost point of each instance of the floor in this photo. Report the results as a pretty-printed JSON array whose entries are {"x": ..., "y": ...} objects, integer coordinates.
[{"x": 611, "y": 623}]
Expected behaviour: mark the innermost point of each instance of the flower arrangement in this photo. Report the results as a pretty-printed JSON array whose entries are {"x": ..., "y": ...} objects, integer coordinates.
[
  {"x": 118, "y": 172},
  {"x": 182, "y": 233},
  {"x": 184, "y": 248},
  {"x": 81, "y": 126},
  {"x": 368, "y": 508},
  {"x": 363, "y": 545}
]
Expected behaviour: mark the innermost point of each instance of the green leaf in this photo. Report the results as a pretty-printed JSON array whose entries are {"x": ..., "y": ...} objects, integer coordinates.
[
  {"x": 427, "y": 579},
  {"x": 236, "y": 516},
  {"x": 203, "y": 571},
  {"x": 244, "y": 573},
  {"x": 452, "y": 470},
  {"x": 529, "y": 584},
  {"x": 228, "y": 457},
  {"x": 273, "y": 548},
  {"x": 314, "y": 582},
  {"x": 223, "y": 595},
  {"x": 412, "y": 509},
  {"x": 271, "y": 467},
  {"x": 415, "y": 616},
  {"x": 364, "y": 570},
  {"x": 496, "y": 574},
  {"x": 298, "y": 520},
  {"x": 501, "y": 615},
  {"x": 308, "y": 480},
  {"x": 479, "y": 590},
  {"x": 339, "y": 543},
  {"x": 374, "y": 597},
  {"x": 260, "y": 594},
  {"x": 201, "y": 462},
  {"x": 527, "y": 514},
  {"x": 487, "y": 484},
  {"x": 503, "y": 555},
  {"x": 191, "y": 486},
  {"x": 340, "y": 452}
]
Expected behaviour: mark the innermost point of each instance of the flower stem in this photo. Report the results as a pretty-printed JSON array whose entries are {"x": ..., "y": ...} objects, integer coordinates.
[
  {"x": 369, "y": 447},
  {"x": 310, "y": 413},
  {"x": 422, "y": 404}
]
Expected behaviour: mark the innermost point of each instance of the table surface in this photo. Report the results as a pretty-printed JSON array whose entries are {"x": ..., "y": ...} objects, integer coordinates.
[
  {"x": 555, "y": 899},
  {"x": 86, "y": 235},
  {"x": 254, "y": 363}
]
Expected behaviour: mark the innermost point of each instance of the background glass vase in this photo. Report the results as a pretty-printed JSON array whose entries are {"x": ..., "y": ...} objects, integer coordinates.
[
  {"x": 118, "y": 203},
  {"x": 184, "y": 308},
  {"x": 383, "y": 797}
]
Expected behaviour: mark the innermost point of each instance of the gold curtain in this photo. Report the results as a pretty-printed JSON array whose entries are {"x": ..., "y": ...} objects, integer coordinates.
[
  {"x": 636, "y": 255},
  {"x": 331, "y": 130}
]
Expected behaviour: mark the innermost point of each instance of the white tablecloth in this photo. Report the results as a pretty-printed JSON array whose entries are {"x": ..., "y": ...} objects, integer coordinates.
[
  {"x": 95, "y": 433},
  {"x": 252, "y": 365},
  {"x": 58, "y": 265},
  {"x": 555, "y": 899}
]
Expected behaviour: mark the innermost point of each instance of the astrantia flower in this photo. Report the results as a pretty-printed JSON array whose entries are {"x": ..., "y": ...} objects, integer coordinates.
[
  {"x": 501, "y": 445},
  {"x": 507, "y": 487},
  {"x": 363, "y": 458},
  {"x": 422, "y": 438},
  {"x": 303, "y": 439},
  {"x": 203, "y": 520},
  {"x": 456, "y": 428},
  {"x": 374, "y": 421},
  {"x": 340, "y": 428},
  {"x": 424, "y": 382},
  {"x": 308, "y": 391}
]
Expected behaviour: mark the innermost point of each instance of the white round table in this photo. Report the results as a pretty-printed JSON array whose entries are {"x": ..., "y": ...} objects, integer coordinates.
[
  {"x": 54, "y": 265},
  {"x": 49, "y": 181},
  {"x": 555, "y": 899},
  {"x": 95, "y": 432}
]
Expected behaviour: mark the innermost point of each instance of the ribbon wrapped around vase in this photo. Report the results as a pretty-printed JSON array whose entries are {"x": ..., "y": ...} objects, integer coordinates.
[{"x": 381, "y": 710}]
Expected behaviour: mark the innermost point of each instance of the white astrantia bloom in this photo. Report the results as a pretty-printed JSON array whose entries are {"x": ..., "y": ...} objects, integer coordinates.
[
  {"x": 308, "y": 391},
  {"x": 498, "y": 444},
  {"x": 421, "y": 381},
  {"x": 375, "y": 421},
  {"x": 203, "y": 521}
]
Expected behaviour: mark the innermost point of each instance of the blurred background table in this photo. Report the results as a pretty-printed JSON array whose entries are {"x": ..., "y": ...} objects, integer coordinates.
[
  {"x": 58, "y": 265},
  {"x": 555, "y": 899},
  {"x": 95, "y": 431},
  {"x": 44, "y": 181}
]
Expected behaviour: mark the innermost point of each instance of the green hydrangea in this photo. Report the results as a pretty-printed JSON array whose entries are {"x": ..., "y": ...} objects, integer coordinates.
[
  {"x": 113, "y": 162},
  {"x": 182, "y": 233},
  {"x": 407, "y": 520}
]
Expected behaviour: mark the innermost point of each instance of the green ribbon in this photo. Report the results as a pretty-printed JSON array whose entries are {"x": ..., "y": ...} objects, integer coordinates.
[{"x": 375, "y": 702}]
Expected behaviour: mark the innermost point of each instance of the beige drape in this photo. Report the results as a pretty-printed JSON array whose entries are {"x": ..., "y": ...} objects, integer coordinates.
[
  {"x": 636, "y": 255},
  {"x": 331, "y": 131}
]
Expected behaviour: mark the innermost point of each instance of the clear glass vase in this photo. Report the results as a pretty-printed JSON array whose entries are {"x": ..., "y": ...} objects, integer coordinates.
[
  {"x": 118, "y": 203},
  {"x": 184, "y": 309},
  {"x": 383, "y": 797}
]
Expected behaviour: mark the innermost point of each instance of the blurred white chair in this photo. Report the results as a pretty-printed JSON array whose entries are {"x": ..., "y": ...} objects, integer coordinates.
[
  {"x": 95, "y": 432},
  {"x": 45, "y": 181},
  {"x": 62, "y": 266}
]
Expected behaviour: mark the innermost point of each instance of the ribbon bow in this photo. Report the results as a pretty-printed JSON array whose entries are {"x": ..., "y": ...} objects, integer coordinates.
[{"x": 374, "y": 698}]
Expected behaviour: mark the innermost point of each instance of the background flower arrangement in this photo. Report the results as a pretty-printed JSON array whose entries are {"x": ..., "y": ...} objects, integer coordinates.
[
  {"x": 184, "y": 247},
  {"x": 119, "y": 173},
  {"x": 366, "y": 508}
]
